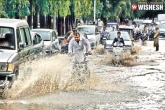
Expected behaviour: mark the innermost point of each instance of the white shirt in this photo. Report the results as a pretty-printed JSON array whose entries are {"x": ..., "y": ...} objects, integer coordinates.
[
  {"x": 100, "y": 23},
  {"x": 75, "y": 47}
]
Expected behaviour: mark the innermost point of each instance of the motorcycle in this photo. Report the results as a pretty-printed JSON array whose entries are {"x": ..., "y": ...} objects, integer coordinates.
[
  {"x": 151, "y": 35},
  {"x": 80, "y": 70},
  {"x": 144, "y": 38},
  {"x": 104, "y": 38},
  {"x": 117, "y": 51},
  {"x": 136, "y": 36},
  {"x": 64, "y": 46}
]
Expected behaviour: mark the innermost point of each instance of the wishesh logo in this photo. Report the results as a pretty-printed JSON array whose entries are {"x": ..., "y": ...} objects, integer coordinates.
[{"x": 147, "y": 6}]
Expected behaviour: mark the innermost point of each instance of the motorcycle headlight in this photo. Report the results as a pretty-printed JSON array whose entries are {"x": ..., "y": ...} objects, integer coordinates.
[
  {"x": 3, "y": 67},
  {"x": 10, "y": 67}
]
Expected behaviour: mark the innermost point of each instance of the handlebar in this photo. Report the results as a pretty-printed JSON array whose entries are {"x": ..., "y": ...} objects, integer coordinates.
[{"x": 117, "y": 46}]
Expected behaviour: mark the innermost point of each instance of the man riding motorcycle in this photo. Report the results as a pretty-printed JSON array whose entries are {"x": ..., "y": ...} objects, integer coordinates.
[
  {"x": 144, "y": 36},
  {"x": 118, "y": 40},
  {"x": 104, "y": 34},
  {"x": 136, "y": 32},
  {"x": 76, "y": 46},
  {"x": 151, "y": 30}
]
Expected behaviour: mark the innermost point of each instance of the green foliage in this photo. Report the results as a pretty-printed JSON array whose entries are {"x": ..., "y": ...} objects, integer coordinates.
[
  {"x": 16, "y": 8},
  {"x": 2, "y": 11},
  {"x": 83, "y": 8}
]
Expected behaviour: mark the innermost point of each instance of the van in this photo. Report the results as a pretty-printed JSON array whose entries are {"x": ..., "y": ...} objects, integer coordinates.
[{"x": 15, "y": 48}]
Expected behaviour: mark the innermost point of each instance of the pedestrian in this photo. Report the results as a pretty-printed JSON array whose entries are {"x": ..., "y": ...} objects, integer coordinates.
[
  {"x": 100, "y": 24},
  {"x": 156, "y": 39}
]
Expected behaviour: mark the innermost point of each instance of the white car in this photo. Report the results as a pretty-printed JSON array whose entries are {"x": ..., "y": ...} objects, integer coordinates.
[
  {"x": 162, "y": 29},
  {"x": 51, "y": 42},
  {"x": 92, "y": 33},
  {"x": 112, "y": 35}
]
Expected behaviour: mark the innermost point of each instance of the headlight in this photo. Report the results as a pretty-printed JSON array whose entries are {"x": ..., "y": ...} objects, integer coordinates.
[
  {"x": 3, "y": 67},
  {"x": 10, "y": 67}
]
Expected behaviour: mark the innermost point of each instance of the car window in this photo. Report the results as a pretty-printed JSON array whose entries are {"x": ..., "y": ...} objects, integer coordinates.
[
  {"x": 54, "y": 34},
  {"x": 96, "y": 30},
  {"x": 28, "y": 35},
  {"x": 23, "y": 35},
  {"x": 44, "y": 34},
  {"x": 37, "y": 39},
  {"x": 161, "y": 26},
  {"x": 125, "y": 36},
  {"x": 7, "y": 38},
  {"x": 18, "y": 37},
  {"x": 87, "y": 30}
]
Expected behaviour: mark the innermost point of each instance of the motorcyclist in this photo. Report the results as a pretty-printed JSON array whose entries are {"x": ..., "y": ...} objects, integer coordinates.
[
  {"x": 72, "y": 34},
  {"x": 136, "y": 31},
  {"x": 103, "y": 34},
  {"x": 144, "y": 33},
  {"x": 152, "y": 30},
  {"x": 77, "y": 43},
  {"x": 118, "y": 40}
]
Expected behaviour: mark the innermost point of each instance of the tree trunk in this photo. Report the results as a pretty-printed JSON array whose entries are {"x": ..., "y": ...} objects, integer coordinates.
[
  {"x": 64, "y": 26},
  {"x": 38, "y": 20}
]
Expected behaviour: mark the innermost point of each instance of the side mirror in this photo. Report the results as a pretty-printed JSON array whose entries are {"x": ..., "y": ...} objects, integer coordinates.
[{"x": 21, "y": 46}]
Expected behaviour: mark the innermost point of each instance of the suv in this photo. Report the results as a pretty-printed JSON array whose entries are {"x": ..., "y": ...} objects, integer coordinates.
[{"x": 15, "y": 47}]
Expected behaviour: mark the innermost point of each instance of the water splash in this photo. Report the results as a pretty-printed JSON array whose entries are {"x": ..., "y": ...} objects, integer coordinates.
[{"x": 46, "y": 76}]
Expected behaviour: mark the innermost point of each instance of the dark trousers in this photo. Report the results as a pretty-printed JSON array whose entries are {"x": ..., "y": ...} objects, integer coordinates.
[{"x": 157, "y": 47}]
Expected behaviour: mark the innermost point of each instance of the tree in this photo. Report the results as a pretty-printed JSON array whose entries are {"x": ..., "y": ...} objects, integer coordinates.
[
  {"x": 2, "y": 11},
  {"x": 16, "y": 8}
]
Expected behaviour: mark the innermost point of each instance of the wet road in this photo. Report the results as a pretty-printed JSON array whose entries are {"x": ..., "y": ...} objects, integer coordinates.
[{"x": 139, "y": 87}]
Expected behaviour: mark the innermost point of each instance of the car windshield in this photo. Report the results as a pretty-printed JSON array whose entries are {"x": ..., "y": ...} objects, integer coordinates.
[
  {"x": 161, "y": 26},
  {"x": 126, "y": 30},
  {"x": 111, "y": 25},
  {"x": 124, "y": 35},
  {"x": 7, "y": 38},
  {"x": 87, "y": 30},
  {"x": 44, "y": 34}
]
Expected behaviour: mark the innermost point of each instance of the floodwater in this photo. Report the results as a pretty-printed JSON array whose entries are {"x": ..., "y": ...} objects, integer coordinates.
[{"x": 45, "y": 84}]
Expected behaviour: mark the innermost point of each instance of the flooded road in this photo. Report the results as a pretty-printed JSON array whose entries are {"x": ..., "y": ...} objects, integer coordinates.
[{"x": 47, "y": 87}]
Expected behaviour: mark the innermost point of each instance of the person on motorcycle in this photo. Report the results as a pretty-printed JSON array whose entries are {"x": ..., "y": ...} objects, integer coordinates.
[
  {"x": 72, "y": 34},
  {"x": 118, "y": 40},
  {"x": 103, "y": 34},
  {"x": 77, "y": 44},
  {"x": 136, "y": 30},
  {"x": 152, "y": 30},
  {"x": 144, "y": 33}
]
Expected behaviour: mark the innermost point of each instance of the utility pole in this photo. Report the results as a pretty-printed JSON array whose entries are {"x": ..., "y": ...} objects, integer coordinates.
[{"x": 94, "y": 10}]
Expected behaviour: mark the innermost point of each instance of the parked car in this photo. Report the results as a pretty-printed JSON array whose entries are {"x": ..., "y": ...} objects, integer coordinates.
[
  {"x": 112, "y": 35},
  {"x": 162, "y": 29},
  {"x": 38, "y": 44},
  {"x": 51, "y": 42},
  {"x": 92, "y": 33},
  {"x": 16, "y": 47}
]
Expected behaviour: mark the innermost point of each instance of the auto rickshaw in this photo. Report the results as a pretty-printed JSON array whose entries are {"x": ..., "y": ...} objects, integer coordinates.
[{"x": 128, "y": 29}]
